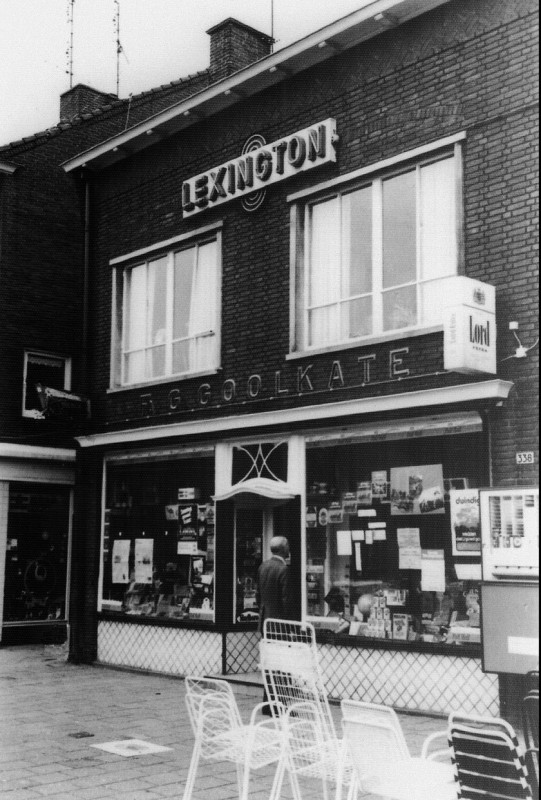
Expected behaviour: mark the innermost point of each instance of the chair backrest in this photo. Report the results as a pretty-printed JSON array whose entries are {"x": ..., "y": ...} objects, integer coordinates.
[
  {"x": 486, "y": 758},
  {"x": 310, "y": 750},
  {"x": 374, "y": 737},
  {"x": 291, "y": 671},
  {"x": 209, "y": 690},
  {"x": 359, "y": 713},
  {"x": 530, "y": 726}
]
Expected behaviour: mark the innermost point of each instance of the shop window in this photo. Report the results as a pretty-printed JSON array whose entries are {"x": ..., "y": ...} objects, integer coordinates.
[
  {"x": 373, "y": 255},
  {"x": 167, "y": 314},
  {"x": 36, "y": 553},
  {"x": 45, "y": 369},
  {"x": 158, "y": 541},
  {"x": 393, "y": 538}
]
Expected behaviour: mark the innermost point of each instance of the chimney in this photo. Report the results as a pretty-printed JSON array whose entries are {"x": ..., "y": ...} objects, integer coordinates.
[
  {"x": 233, "y": 46},
  {"x": 82, "y": 99}
]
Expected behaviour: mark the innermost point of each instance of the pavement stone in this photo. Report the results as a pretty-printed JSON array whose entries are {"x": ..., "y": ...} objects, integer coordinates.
[{"x": 44, "y": 701}]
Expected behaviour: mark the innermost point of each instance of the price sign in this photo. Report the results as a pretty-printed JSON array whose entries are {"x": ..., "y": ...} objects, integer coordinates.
[{"x": 527, "y": 457}]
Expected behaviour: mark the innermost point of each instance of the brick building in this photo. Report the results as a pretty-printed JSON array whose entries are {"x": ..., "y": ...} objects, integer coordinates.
[
  {"x": 44, "y": 324},
  {"x": 296, "y": 276}
]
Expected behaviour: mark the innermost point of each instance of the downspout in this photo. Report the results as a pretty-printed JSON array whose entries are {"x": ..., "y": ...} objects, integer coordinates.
[{"x": 86, "y": 290}]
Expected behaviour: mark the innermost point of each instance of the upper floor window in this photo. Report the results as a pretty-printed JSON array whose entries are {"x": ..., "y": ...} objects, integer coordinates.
[
  {"x": 48, "y": 370},
  {"x": 167, "y": 314},
  {"x": 372, "y": 255}
]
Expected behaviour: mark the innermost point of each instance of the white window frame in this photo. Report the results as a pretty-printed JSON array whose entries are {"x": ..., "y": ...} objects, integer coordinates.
[
  {"x": 302, "y": 201},
  {"x": 166, "y": 250},
  {"x": 32, "y": 413}
]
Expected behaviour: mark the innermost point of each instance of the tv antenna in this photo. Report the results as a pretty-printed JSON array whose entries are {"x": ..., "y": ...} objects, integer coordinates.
[
  {"x": 69, "y": 51},
  {"x": 272, "y": 26},
  {"x": 119, "y": 48}
]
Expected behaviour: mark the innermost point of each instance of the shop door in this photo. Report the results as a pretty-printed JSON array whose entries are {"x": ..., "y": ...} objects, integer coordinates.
[
  {"x": 35, "y": 586},
  {"x": 243, "y": 536}
]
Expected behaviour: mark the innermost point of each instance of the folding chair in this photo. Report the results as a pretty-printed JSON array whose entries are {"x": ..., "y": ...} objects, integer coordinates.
[
  {"x": 487, "y": 760},
  {"x": 220, "y": 734},
  {"x": 297, "y": 695},
  {"x": 530, "y": 726},
  {"x": 381, "y": 757}
]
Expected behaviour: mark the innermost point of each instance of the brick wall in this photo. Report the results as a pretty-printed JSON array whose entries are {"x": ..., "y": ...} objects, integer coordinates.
[{"x": 464, "y": 67}]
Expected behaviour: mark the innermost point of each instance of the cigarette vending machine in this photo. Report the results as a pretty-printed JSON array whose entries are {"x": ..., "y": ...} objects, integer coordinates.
[{"x": 510, "y": 585}]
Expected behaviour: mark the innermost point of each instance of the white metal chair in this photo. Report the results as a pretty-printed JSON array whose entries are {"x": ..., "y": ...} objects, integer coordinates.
[
  {"x": 297, "y": 695},
  {"x": 220, "y": 734},
  {"x": 381, "y": 757}
]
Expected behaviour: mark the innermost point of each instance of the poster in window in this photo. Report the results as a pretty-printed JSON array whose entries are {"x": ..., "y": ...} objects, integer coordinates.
[
  {"x": 380, "y": 485},
  {"x": 417, "y": 490},
  {"x": 121, "y": 558},
  {"x": 144, "y": 549},
  {"x": 465, "y": 523}
]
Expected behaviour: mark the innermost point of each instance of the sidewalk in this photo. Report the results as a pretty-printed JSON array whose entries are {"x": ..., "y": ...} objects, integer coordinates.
[{"x": 51, "y": 712}]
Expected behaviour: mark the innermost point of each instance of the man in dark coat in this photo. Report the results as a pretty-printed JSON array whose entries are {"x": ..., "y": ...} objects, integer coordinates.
[{"x": 273, "y": 590}]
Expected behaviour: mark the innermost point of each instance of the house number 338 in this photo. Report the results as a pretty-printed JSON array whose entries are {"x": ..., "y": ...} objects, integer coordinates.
[{"x": 527, "y": 457}]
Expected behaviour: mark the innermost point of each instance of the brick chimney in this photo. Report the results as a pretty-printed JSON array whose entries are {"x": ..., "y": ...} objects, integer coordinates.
[
  {"x": 82, "y": 99},
  {"x": 234, "y": 45}
]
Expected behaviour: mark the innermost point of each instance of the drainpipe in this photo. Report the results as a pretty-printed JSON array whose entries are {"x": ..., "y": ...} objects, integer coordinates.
[{"x": 86, "y": 291}]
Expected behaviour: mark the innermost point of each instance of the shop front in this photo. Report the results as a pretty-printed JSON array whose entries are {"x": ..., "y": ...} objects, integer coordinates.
[
  {"x": 383, "y": 522},
  {"x": 36, "y": 488}
]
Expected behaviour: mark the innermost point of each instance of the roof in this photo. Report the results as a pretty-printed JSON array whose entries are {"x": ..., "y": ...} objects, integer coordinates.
[{"x": 362, "y": 25}]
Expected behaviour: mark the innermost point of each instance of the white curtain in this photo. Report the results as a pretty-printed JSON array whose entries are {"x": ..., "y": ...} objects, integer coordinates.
[
  {"x": 324, "y": 274},
  {"x": 135, "y": 332},
  {"x": 203, "y": 307}
]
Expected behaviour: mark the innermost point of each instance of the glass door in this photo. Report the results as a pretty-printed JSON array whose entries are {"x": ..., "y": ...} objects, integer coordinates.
[{"x": 249, "y": 550}]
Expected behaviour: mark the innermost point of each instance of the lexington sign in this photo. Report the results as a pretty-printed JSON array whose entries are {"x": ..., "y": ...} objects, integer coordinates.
[{"x": 257, "y": 169}]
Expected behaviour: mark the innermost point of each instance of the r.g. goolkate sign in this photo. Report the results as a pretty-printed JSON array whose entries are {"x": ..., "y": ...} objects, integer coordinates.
[{"x": 259, "y": 168}]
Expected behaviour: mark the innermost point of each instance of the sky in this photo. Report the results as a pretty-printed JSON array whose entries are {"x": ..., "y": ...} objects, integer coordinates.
[{"x": 161, "y": 40}]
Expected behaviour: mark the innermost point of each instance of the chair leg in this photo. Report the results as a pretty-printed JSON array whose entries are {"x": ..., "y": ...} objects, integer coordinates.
[
  {"x": 241, "y": 774},
  {"x": 190, "y": 780}
]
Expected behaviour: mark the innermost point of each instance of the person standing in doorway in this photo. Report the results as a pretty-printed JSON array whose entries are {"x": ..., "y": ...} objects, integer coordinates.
[{"x": 273, "y": 590}]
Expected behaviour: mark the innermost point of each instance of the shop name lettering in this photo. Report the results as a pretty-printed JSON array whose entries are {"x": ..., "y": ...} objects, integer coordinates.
[
  {"x": 259, "y": 168},
  {"x": 302, "y": 382}
]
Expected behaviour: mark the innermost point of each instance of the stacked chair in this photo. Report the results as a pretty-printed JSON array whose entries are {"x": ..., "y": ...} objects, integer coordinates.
[
  {"x": 298, "y": 699},
  {"x": 487, "y": 759},
  {"x": 221, "y": 736},
  {"x": 530, "y": 726}
]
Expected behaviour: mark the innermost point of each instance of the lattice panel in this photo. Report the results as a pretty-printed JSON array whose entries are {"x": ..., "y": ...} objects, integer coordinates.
[
  {"x": 174, "y": 651},
  {"x": 242, "y": 652},
  {"x": 416, "y": 681}
]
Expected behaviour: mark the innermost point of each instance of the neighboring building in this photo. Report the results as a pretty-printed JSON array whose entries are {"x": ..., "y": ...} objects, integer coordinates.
[
  {"x": 295, "y": 280},
  {"x": 43, "y": 340}
]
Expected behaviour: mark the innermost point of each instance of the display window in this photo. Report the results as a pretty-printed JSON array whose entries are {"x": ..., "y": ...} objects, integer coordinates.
[
  {"x": 37, "y": 553},
  {"x": 158, "y": 541},
  {"x": 383, "y": 521}
]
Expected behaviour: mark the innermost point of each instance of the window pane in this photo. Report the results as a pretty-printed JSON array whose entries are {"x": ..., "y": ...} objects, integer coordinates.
[
  {"x": 155, "y": 362},
  {"x": 400, "y": 308},
  {"x": 203, "y": 305},
  {"x": 47, "y": 370},
  {"x": 357, "y": 240},
  {"x": 438, "y": 219},
  {"x": 181, "y": 356},
  {"x": 324, "y": 279},
  {"x": 357, "y": 318},
  {"x": 184, "y": 267},
  {"x": 323, "y": 326},
  {"x": 157, "y": 291},
  {"x": 135, "y": 367},
  {"x": 399, "y": 230},
  {"x": 136, "y": 322}
]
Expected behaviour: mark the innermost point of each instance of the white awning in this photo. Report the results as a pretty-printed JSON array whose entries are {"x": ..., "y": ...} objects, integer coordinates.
[{"x": 257, "y": 491}]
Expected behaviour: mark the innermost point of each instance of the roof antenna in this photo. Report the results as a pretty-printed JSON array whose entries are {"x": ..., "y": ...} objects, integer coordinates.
[
  {"x": 69, "y": 51},
  {"x": 272, "y": 26},
  {"x": 116, "y": 20}
]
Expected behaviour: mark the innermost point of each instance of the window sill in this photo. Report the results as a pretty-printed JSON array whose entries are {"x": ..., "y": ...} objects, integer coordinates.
[
  {"x": 394, "y": 336},
  {"x": 436, "y": 648},
  {"x": 160, "y": 381}
]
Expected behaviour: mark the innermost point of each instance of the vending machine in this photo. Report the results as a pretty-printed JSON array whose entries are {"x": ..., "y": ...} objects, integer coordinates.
[{"x": 510, "y": 585}]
